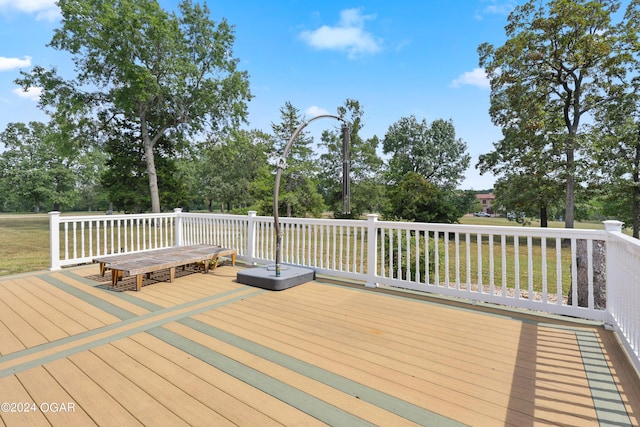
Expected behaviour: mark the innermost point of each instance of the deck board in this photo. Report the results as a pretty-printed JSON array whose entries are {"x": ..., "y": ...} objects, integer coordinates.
[
  {"x": 408, "y": 359},
  {"x": 55, "y": 403},
  {"x": 192, "y": 385},
  {"x": 207, "y": 350},
  {"x": 336, "y": 354},
  {"x": 81, "y": 312},
  {"x": 46, "y": 327},
  {"x": 245, "y": 405}
]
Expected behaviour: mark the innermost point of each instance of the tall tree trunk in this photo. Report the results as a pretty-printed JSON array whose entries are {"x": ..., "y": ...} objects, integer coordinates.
[
  {"x": 598, "y": 263},
  {"x": 151, "y": 163},
  {"x": 544, "y": 217},
  {"x": 570, "y": 195},
  {"x": 153, "y": 176}
]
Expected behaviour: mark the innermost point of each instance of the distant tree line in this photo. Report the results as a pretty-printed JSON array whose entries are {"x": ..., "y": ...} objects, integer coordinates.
[
  {"x": 155, "y": 118},
  {"x": 233, "y": 171}
]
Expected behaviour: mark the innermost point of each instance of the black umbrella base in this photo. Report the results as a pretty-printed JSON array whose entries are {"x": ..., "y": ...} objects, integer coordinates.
[{"x": 265, "y": 277}]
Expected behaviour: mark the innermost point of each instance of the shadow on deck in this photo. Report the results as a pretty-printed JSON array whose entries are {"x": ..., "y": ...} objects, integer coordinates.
[{"x": 206, "y": 350}]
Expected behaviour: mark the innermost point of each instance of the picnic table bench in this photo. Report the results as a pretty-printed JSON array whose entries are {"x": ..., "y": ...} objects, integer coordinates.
[{"x": 146, "y": 262}]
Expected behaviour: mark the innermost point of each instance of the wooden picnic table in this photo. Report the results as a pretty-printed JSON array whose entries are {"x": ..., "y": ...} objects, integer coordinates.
[{"x": 147, "y": 262}]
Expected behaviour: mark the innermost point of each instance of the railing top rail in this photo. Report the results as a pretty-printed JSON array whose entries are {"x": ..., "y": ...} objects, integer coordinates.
[
  {"x": 492, "y": 229},
  {"x": 217, "y": 215},
  {"x": 75, "y": 218},
  {"x": 321, "y": 220},
  {"x": 282, "y": 219},
  {"x": 630, "y": 242}
]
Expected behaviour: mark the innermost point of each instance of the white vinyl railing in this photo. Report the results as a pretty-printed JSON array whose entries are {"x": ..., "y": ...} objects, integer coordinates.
[
  {"x": 591, "y": 274},
  {"x": 623, "y": 290},
  {"x": 79, "y": 239}
]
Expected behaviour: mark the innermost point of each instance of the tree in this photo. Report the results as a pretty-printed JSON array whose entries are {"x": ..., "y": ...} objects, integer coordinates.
[
  {"x": 417, "y": 199},
  {"x": 300, "y": 194},
  {"x": 124, "y": 177},
  {"x": 562, "y": 59},
  {"x": 33, "y": 168},
  {"x": 431, "y": 151},
  {"x": 232, "y": 166},
  {"x": 616, "y": 151},
  {"x": 143, "y": 72},
  {"x": 529, "y": 179},
  {"x": 367, "y": 188}
]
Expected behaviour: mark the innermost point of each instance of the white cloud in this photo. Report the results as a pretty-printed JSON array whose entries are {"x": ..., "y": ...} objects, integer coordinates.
[
  {"x": 43, "y": 9},
  {"x": 496, "y": 7},
  {"x": 477, "y": 77},
  {"x": 33, "y": 93},
  {"x": 315, "y": 111},
  {"x": 348, "y": 35},
  {"x": 11, "y": 63}
]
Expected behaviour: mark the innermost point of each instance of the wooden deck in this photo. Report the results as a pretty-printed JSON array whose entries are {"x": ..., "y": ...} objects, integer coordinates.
[{"x": 208, "y": 351}]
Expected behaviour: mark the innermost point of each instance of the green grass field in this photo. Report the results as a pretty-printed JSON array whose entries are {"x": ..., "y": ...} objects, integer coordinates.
[{"x": 25, "y": 243}]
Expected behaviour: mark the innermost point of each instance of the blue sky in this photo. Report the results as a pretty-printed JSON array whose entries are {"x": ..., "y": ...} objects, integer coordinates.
[{"x": 397, "y": 58}]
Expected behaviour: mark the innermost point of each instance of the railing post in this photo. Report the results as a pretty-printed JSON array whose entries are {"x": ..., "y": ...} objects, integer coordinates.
[
  {"x": 177, "y": 232},
  {"x": 250, "y": 250},
  {"x": 54, "y": 240},
  {"x": 372, "y": 251},
  {"x": 611, "y": 226}
]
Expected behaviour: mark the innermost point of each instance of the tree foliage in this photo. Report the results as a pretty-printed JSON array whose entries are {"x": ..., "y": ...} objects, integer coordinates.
[
  {"x": 417, "y": 199},
  {"x": 432, "y": 151},
  {"x": 616, "y": 154},
  {"x": 367, "y": 187},
  {"x": 235, "y": 169},
  {"x": 299, "y": 194},
  {"x": 125, "y": 182},
  {"x": 528, "y": 181},
  {"x": 144, "y": 75},
  {"x": 562, "y": 59},
  {"x": 34, "y": 169}
]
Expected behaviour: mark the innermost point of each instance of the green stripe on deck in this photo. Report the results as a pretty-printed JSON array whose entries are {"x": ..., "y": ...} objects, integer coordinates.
[
  {"x": 606, "y": 397},
  {"x": 132, "y": 331},
  {"x": 375, "y": 397},
  {"x": 103, "y": 305},
  {"x": 122, "y": 295},
  {"x": 311, "y": 405}
]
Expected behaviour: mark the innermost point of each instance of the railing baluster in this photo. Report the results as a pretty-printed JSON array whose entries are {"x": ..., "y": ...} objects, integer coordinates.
[
  {"x": 457, "y": 260},
  {"x": 503, "y": 250},
  {"x": 427, "y": 259},
  {"x": 574, "y": 274},
  {"x": 590, "y": 298},
  {"x": 436, "y": 258},
  {"x": 418, "y": 252},
  {"x": 468, "y": 260},
  {"x": 516, "y": 265},
  {"x": 559, "y": 290},
  {"x": 492, "y": 282},
  {"x": 543, "y": 246},
  {"x": 480, "y": 265},
  {"x": 530, "y": 268}
]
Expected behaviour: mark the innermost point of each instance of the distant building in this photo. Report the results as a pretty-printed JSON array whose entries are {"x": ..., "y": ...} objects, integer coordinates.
[{"x": 486, "y": 201}]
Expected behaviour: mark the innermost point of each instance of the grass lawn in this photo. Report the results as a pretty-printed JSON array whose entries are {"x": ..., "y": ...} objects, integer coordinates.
[
  {"x": 498, "y": 221},
  {"x": 25, "y": 243}
]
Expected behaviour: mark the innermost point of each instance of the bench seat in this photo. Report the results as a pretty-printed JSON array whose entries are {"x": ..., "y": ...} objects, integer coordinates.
[{"x": 147, "y": 262}]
